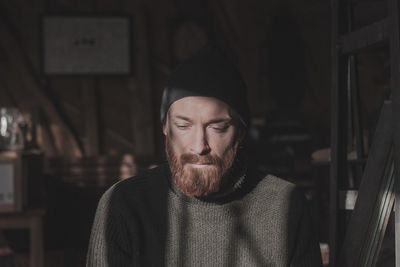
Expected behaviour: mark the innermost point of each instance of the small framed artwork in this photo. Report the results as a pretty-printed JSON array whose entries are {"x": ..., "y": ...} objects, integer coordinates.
[{"x": 86, "y": 45}]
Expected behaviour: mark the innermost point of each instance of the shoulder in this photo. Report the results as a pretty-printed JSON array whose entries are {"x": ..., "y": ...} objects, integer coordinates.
[
  {"x": 276, "y": 183},
  {"x": 275, "y": 189},
  {"x": 145, "y": 178},
  {"x": 269, "y": 182},
  {"x": 145, "y": 185}
]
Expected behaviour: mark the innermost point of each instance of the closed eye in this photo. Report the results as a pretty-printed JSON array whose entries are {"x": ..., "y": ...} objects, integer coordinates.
[
  {"x": 182, "y": 126},
  {"x": 221, "y": 129}
]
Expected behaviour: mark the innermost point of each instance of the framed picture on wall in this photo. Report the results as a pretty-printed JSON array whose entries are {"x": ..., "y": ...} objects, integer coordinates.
[{"x": 86, "y": 45}]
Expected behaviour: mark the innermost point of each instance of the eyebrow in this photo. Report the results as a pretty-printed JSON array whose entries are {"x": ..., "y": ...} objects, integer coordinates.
[
  {"x": 221, "y": 120},
  {"x": 182, "y": 118},
  {"x": 217, "y": 120}
]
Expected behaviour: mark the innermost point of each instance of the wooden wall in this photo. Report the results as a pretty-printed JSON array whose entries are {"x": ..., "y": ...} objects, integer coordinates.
[{"x": 89, "y": 116}]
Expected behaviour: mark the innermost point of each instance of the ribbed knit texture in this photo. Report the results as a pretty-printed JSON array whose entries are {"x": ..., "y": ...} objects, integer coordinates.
[{"x": 147, "y": 221}]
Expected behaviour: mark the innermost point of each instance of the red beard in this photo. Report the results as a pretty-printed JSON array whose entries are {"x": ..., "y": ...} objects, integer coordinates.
[{"x": 199, "y": 181}]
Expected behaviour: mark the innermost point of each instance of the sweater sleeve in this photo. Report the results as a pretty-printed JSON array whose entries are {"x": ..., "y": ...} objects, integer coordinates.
[
  {"x": 307, "y": 252},
  {"x": 109, "y": 244}
]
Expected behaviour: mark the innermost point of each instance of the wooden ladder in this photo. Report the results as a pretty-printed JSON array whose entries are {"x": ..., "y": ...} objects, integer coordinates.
[{"x": 349, "y": 249}]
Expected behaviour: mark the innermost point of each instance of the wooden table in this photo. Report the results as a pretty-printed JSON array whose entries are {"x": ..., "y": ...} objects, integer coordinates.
[{"x": 32, "y": 220}]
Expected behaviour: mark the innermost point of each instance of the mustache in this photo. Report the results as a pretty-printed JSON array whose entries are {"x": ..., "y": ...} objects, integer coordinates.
[{"x": 197, "y": 159}]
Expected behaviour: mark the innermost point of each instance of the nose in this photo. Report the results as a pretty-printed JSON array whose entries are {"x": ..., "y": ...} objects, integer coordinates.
[{"x": 199, "y": 144}]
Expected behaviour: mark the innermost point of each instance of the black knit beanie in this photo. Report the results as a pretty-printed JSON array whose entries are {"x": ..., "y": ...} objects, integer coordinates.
[{"x": 207, "y": 73}]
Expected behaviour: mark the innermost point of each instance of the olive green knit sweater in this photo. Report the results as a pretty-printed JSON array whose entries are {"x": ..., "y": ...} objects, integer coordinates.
[{"x": 147, "y": 221}]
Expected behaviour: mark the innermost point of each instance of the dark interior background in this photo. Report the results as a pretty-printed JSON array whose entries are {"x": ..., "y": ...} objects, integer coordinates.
[{"x": 88, "y": 122}]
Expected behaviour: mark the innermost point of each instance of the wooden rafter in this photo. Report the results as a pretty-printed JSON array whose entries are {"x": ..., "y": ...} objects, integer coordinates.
[
  {"x": 393, "y": 13},
  {"x": 31, "y": 83},
  {"x": 365, "y": 37},
  {"x": 141, "y": 86}
]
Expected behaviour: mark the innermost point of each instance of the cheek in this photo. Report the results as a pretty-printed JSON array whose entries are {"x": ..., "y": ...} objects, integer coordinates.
[
  {"x": 178, "y": 142},
  {"x": 223, "y": 145}
]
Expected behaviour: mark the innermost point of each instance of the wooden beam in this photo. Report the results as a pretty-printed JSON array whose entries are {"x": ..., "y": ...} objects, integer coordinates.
[
  {"x": 223, "y": 13},
  {"x": 66, "y": 143},
  {"x": 142, "y": 108},
  {"x": 359, "y": 226},
  {"x": 12, "y": 84},
  {"x": 338, "y": 167},
  {"x": 333, "y": 197},
  {"x": 120, "y": 139},
  {"x": 23, "y": 16},
  {"x": 91, "y": 120},
  {"x": 141, "y": 86},
  {"x": 393, "y": 13}
]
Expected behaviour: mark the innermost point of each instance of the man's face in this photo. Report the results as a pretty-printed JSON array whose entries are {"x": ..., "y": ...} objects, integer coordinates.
[{"x": 201, "y": 144}]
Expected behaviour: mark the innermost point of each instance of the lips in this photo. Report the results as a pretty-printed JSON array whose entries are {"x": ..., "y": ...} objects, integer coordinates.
[
  {"x": 199, "y": 161},
  {"x": 202, "y": 163}
]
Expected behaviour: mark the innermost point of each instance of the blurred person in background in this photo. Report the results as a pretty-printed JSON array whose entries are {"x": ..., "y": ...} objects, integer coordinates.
[{"x": 128, "y": 167}]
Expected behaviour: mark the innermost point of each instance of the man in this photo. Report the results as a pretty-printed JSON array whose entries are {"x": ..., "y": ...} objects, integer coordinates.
[{"x": 203, "y": 208}]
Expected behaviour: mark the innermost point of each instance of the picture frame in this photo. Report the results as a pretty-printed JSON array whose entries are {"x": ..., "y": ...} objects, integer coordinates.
[{"x": 86, "y": 45}]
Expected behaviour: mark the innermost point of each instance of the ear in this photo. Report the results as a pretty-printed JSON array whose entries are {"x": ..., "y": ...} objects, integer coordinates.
[{"x": 164, "y": 125}]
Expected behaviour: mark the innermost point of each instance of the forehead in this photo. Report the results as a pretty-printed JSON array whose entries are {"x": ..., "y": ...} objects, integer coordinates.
[{"x": 199, "y": 107}]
